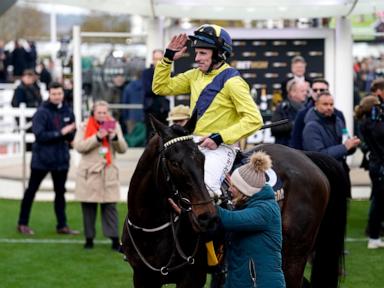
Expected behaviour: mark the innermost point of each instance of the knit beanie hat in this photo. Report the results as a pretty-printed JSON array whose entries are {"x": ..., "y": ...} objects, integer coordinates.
[{"x": 250, "y": 178}]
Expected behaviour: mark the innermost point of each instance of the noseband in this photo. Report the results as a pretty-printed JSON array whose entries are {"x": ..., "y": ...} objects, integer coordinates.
[{"x": 184, "y": 204}]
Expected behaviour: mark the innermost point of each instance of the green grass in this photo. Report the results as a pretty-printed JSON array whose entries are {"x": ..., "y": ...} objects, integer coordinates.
[
  {"x": 69, "y": 265},
  {"x": 57, "y": 264}
]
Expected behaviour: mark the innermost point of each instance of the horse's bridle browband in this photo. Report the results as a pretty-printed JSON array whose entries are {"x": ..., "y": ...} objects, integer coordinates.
[{"x": 178, "y": 139}]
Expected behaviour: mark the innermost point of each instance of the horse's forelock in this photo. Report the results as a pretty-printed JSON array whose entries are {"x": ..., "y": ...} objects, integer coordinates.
[{"x": 179, "y": 130}]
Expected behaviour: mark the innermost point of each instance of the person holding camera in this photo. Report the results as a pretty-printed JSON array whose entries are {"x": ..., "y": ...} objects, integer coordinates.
[
  {"x": 370, "y": 116},
  {"x": 98, "y": 176}
]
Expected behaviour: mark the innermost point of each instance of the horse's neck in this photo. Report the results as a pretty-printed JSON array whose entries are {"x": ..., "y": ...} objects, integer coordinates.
[{"x": 146, "y": 197}]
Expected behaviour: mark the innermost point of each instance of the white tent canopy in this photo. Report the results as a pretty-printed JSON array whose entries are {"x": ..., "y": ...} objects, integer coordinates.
[
  {"x": 230, "y": 9},
  {"x": 156, "y": 10}
]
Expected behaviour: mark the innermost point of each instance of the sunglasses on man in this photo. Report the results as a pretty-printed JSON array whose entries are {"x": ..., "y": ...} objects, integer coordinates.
[{"x": 319, "y": 90}]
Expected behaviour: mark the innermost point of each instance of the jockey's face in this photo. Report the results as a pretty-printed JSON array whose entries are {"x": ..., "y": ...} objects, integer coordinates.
[{"x": 203, "y": 58}]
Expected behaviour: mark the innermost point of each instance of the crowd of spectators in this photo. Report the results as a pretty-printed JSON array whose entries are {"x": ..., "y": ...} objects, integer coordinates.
[
  {"x": 20, "y": 64},
  {"x": 366, "y": 70}
]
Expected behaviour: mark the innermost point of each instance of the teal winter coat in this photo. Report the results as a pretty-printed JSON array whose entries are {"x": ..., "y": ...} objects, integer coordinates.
[{"x": 254, "y": 247}]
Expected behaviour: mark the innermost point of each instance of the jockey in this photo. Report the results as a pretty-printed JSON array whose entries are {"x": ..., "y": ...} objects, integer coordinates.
[{"x": 221, "y": 98}]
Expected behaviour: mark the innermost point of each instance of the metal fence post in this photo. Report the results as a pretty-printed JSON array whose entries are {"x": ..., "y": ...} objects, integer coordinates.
[{"x": 22, "y": 127}]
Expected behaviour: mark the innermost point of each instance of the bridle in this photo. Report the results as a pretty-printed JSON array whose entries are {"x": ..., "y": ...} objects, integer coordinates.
[{"x": 183, "y": 203}]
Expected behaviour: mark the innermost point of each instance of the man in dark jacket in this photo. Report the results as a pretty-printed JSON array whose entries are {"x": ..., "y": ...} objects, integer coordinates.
[
  {"x": 323, "y": 131},
  {"x": 318, "y": 86},
  {"x": 54, "y": 127},
  {"x": 371, "y": 124},
  {"x": 297, "y": 93},
  {"x": 19, "y": 60},
  {"x": 28, "y": 91}
]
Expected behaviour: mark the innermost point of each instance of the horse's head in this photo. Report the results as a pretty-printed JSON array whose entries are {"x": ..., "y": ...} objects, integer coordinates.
[{"x": 181, "y": 170}]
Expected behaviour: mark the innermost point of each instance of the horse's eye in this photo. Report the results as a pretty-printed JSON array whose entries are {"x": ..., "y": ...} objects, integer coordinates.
[{"x": 175, "y": 164}]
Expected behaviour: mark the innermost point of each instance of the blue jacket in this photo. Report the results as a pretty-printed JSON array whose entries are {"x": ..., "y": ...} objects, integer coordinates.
[
  {"x": 254, "y": 248},
  {"x": 133, "y": 94},
  {"x": 50, "y": 151},
  {"x": 153, "y": 103},
  {"x": 297, "y": 132},
  {"x": 324, "y": 134}
]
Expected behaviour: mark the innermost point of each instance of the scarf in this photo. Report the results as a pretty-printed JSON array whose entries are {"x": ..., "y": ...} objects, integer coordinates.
[{"x": 91, "y": 129}]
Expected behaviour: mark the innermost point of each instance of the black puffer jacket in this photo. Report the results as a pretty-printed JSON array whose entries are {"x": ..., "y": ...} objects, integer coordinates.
[
  {"x": 51, "y": 149},
  {"x": 372, "y": 131}
]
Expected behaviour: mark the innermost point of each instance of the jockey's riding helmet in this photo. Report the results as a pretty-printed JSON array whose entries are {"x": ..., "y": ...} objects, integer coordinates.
[{"x": 213, "y": 37}]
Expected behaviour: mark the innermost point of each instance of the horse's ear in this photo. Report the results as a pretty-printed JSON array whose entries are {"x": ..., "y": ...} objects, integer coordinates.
[
  {"x": 159, "y": 127},
  {"x": 191, "y": 124}
]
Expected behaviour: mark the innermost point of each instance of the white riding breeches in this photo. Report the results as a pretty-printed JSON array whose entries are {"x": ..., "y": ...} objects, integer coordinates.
[{"x": 218, "y": 163}]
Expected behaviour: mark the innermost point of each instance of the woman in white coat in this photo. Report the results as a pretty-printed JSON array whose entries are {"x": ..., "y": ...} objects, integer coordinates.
[{"x": 97, "y": 179}]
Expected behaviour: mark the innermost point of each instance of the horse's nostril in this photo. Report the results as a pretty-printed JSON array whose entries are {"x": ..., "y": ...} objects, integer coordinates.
[
  {"x": 213, "y": 223},
  {"x": 208, "y": 222},
  {"x": 203, "y": 217}
]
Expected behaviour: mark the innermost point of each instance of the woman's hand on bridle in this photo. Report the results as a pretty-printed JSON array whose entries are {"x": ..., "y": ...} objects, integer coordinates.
[{"x": 174, "y": 206}]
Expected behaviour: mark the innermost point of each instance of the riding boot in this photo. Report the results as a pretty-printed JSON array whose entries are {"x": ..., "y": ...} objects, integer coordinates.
[
  {"x": 115, "y": 243},
  {"x": 88, "y": 243}
]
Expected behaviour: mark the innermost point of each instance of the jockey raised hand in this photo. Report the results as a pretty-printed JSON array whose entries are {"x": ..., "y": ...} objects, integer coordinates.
[{"x": 225, "y": 109}]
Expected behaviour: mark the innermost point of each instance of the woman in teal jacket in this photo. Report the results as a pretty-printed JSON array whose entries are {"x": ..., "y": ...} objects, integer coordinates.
[{"x": 254, "y": 247}]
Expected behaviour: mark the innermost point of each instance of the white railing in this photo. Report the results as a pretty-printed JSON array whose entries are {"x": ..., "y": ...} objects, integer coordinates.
[{"x": 11, "y": 134}]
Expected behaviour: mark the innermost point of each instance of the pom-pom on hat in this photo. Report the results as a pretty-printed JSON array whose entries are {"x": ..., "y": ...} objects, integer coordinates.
[{"x": 250, "y": 178}]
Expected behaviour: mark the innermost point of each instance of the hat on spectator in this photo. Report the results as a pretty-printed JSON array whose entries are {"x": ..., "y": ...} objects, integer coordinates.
[
  {"x": 179, "y": 112},
  {"x": 365, "y": 106},
  {"x": 250, "y": 178}
]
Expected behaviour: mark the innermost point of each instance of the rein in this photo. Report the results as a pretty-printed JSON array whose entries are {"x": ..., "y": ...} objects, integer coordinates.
[
  {"x": 184, "y": 204},
  {"x": 164, "y": 270}
]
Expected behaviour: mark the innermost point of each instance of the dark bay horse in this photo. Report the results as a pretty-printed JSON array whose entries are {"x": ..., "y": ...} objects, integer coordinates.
[{"x": 162, "y": 248}]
